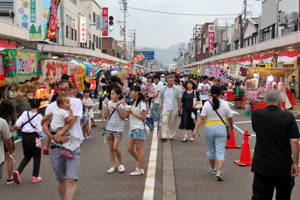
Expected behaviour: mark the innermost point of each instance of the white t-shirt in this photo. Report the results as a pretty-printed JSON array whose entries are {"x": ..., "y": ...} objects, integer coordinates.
[
  {"x": 115, "y": 122},
  {"x": 168, "y": 99},
  {"x": 36, "y": 122},
  {"x": 224, "y": 111},
  {"x": 158, "y": 88},
  {"x": 5, "y": 134},
  {"x": 58, "y": 118},
  {"x": 136, "y": 123},
  {"x": 204, "y": 94},
  {"x": 89, "y": 111},
  {"x": 76, "y": 106}
]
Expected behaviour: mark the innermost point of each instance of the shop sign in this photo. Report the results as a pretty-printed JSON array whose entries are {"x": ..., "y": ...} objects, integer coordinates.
[
  {"x": 32, "y": 11},
  {"x": 105, "y": 21},
  {"x": 237, "y": 28},
  {"x": 239, "y": 71},
  {"x": 83, "y": 29},
  {"x": 211, "y": 39},
  {"x": 26, "y": 63},
  {"x": 28, "y": 14},
  {"x": 98, "y": 22},
  {"x": 53, "y": 20},
  {"x": 55, "y": 69},
  {"x": 2, "y": 75}
]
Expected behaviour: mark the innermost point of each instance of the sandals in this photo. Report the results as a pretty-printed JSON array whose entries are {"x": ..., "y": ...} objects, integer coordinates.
[
  {"x": 184, "y": 139},
  {"x": 137, "y": 172},
  {"x": 192, "y": 139}
]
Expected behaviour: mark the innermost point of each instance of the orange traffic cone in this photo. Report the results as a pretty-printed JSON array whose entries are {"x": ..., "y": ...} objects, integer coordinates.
[
  {"x": 245, "y": 159},
  {"x": 231, "y": 143}
]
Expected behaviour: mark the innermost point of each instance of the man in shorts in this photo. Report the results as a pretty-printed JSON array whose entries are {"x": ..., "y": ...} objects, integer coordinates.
[{"x": 65, "y": 169}]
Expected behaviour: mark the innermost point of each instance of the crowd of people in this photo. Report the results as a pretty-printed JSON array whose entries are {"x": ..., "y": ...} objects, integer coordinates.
[{"x": 69, "y": 118}]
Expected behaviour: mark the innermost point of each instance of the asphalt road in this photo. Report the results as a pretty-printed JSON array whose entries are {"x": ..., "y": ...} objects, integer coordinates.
[{"x": 190, "y": 165}]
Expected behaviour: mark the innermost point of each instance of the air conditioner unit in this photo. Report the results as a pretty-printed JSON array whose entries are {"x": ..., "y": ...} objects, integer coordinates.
[
  {"x": 294, "y": 17},
  {"x": 281, "y": 19}
]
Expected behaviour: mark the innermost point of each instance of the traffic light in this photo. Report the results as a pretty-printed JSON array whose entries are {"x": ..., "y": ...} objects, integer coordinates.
[{"x": 111, "y": 23}]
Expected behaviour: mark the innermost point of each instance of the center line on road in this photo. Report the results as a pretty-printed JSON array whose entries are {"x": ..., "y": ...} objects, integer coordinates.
[{"x": 150, "y": 179}]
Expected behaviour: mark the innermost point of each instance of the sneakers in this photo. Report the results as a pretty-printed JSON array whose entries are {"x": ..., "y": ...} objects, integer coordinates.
[
  {"x": 88, "y": 137},
  {"x": 155, "y": 123},
  {"x": 121, "y": 168},
  {"x": 112, "y": 170},
  {"x": 35, "y": 180},
  {"x": 67, "y": 154},
  {"x": 234, "y": 106},
  {"x": 220, "y": 176},
  {"x": 45, "y": 151},
  {"x": 17, "y": 178},
  {"x": 212, "y": 171},
  {"x": 9, "y": 181}
]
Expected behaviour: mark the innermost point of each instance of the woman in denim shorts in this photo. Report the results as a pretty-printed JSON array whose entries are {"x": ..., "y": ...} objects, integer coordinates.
[
  {"x": 137, "y": 131},
  {"x": 215, "y": 130}
]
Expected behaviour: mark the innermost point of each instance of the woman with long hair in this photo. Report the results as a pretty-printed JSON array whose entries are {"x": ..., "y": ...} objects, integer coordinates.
[
  {"x": 7, "y": 113},
  {"x": 187, "y": 123},
  {"x": 137, "y": 131},
  {"x": 215, "y": 130}
]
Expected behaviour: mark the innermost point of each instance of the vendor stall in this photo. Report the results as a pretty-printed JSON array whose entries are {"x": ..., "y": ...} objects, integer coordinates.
[{"x": 259, "y": 81}]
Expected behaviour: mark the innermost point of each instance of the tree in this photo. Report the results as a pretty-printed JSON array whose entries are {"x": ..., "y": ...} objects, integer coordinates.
[
  {"x": 32, "y": 30},
  {"x": 39, "y": 29}
]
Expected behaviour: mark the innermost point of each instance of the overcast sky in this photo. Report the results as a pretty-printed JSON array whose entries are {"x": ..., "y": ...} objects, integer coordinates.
[{"x": 161, "y": 30}]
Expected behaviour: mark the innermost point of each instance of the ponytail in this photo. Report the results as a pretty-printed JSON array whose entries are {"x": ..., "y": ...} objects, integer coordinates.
[
  {"x": 216, "y": 102},
  {"x": 216, "y": 90}
]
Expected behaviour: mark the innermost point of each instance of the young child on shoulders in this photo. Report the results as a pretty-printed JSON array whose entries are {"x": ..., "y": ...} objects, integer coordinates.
[{"x": 61, "y": 116}]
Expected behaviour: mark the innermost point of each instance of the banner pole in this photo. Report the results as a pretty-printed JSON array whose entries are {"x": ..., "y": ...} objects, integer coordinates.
[{"x": 47, "y": 25}]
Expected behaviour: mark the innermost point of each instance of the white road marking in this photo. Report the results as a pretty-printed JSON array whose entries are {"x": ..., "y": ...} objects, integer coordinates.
[
  {"x": 16, "y": 141},
  {"x": 150, "y": 179},
  {"x": 234, "y": 112},
  {"x": 243, "y": 122},
  {"x": 96, "y": 103},
  {"x": 230, "y": 103}
]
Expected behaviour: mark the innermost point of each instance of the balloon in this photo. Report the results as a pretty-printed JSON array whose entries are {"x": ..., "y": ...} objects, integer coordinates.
[
  {"x": 80, "y": 74},
  {"x": 88, "y": 67},
  {"x": 98, "y": 70},
  {"x": 74, "y": 66},
  {"x": 74, "y": 81}
]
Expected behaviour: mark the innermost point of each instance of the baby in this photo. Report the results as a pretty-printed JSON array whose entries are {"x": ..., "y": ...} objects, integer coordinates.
[{"x": 61, "y": 116}]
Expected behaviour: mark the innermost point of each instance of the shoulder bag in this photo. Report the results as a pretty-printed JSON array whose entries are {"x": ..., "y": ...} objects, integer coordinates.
[
  {"x": 199, "y": 105},
  {"x": 228, "y": 129}
]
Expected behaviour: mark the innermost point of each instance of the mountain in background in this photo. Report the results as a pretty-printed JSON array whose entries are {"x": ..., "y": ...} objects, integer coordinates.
[{"x": 165, "y": 56}]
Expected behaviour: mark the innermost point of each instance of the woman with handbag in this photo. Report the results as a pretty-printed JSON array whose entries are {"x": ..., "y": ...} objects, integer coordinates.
[
  {"x": 190, "y": 100},
  {"x": 30, "y": 124},
  {"x": 216, "y": 130}
]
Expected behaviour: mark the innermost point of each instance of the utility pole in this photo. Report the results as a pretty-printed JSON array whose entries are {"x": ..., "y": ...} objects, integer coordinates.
[
  {"x": 245, "y": 10},
  {"x": 125, "y": 12}
]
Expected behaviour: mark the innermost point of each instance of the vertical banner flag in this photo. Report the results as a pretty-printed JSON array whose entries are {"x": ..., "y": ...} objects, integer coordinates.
[
  {"x": 53, "y": 20},
  {"x": 105, "y": 21},
  {"x": 211, "y": 39},
  {"x": 83, "y": 29}
]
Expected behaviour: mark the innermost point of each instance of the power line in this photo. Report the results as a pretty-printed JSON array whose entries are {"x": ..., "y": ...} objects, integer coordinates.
[{"x": 188, "y": 14}]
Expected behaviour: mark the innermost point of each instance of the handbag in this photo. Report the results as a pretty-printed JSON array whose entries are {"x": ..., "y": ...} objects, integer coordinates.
[
  {"x": 228, "y": 129},
  {"x": 199, "y": 105},
  {"x": 38, "y": 143}
]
